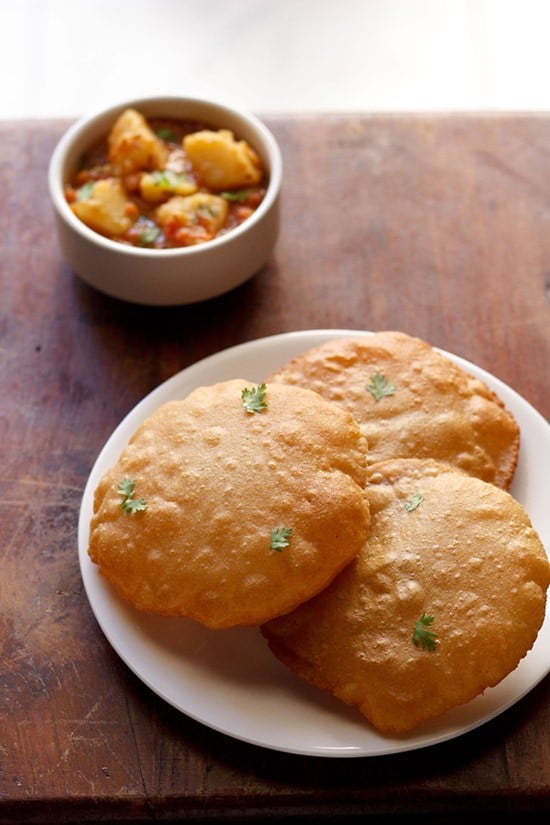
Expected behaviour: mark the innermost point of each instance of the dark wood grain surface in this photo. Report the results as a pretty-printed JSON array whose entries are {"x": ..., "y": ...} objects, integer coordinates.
[{"x": 435, "y": 225}]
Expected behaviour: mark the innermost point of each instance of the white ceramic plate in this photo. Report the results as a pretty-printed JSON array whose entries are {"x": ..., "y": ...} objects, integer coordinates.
[{"x": 228, "y": 679}]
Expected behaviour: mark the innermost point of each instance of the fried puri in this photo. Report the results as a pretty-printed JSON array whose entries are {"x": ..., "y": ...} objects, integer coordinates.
[
  {"x": 412, "y": 401},
  {"x": 244, "y": 514},
  {"x": 445, "y": 599}
]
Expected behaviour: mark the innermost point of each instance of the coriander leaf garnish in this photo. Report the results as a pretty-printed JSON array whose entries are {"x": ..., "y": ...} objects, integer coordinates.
[
  {"x": 254, "y": 398},
  {"x": 149, "y": 235},
  {"x": 415, "y": 502},
  {"x": 167, "y": 179},
  {"x": 161, "y": 178},
  {"x": 207, "y": 209},
  {"x": 165, "y": 133},
  {"x": 422, "y": 635},
  {"x": 280, "y": 538},
  {"x": 236, "y": 197},
  {"x": 129, "y": 504},
  {"x": 126, "y": 487},
  {"x": 132, "y": 505},
  {"x": 379, "y": 386},
  {"x": 85, "y": 191}
]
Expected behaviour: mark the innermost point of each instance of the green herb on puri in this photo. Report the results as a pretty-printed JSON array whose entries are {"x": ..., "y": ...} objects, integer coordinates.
[
  {"x": 422, "y": 635},
  {"x": 415, "y": 502},
  {"x": 280, "y": 537},
  {"x": 130, "y": 504},
  {"x": 379, "y": 386},
  {"x": 254, "y": 399}
]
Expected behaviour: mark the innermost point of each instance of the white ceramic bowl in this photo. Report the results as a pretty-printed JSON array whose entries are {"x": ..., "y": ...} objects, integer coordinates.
[{"x": 165, "y": 277}]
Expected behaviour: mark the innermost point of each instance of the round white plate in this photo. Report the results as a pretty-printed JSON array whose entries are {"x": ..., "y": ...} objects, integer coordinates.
[{"x": 228, "y": 679}]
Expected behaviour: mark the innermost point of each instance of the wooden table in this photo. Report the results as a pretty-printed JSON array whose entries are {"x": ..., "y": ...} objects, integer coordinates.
[{"x": 435, "y": 225}]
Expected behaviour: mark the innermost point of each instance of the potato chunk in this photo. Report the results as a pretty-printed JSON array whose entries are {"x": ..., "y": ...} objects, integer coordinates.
[
  {"x": 158, "y": 186},
  {"x": 105, "y": 208},
  {"x": 221, "y": 161},
  {"x": 193, "y": 219},
  {"x": 133, "y": 146}
]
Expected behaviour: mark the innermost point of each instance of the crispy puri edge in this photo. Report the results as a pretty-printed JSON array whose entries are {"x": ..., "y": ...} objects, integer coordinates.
[
  {"x": 509, "y": 460},
  {"x": 306, "y": 671},
  {"x": 302, "y": 668},
  {"x": 509, "y": 463}
]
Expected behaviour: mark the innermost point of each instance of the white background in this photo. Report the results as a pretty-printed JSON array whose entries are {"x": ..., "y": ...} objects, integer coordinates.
[{"x": 70, "y": 57}]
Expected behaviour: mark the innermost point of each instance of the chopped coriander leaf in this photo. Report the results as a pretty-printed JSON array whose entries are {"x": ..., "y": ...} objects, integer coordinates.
[
  {"x": 280, "y": 538},
  {"x": 164, "y": 133},
  {"x": 167, "y": 179},
  {"x": 208, "y": 210},
  {"x": 126, "y": 488},
  {"x": 149, "y": 235},
  {"x": 129, "y": 504},
  {"x": 161, "y": 178},
  {"x": 415, "y": 502},
  {"x": 379, "y": 386},
  {"x": 254, "y": 398},
  {"x": 145, "y": 231},
  {"x": 132, "y": 505},
  {"x": 85, "y": 191},
  {"x": 236, "y": 197},
  {"x": 422, "y": 635}
]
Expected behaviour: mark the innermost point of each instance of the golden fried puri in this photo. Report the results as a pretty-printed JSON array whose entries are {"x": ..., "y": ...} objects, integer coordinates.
[
  {"x": 412, "y": 401},
  {"x": 445, "y": 599},
  {"x": 247, "y": 514}
]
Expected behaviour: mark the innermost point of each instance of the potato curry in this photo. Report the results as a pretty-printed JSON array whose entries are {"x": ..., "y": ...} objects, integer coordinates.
[{"x": 164, "y": 183}]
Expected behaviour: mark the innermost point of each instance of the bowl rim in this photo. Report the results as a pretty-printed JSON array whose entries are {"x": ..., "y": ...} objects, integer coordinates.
[{"x": 77, "y": 129}]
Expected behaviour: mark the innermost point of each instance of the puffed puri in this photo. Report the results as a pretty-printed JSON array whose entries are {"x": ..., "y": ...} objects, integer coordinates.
[
  {"x": 219, "y": 482},
  {"x": 444, "y": 601},
  {"x": 427, "y": 405}
]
